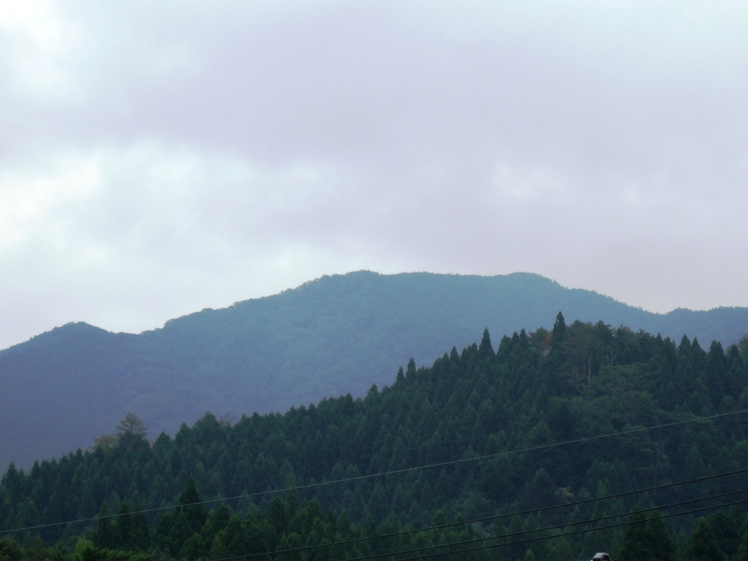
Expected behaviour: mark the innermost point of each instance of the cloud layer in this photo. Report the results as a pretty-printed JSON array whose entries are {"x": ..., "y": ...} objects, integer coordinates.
[{"x": 157, "y": 159}]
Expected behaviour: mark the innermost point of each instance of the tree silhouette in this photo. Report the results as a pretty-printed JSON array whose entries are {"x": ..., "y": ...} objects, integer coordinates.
[{"x": 132, "y": 425}]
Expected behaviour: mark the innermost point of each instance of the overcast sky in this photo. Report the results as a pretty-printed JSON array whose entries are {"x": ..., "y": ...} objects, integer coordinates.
[{"x": 157, "y": 158}]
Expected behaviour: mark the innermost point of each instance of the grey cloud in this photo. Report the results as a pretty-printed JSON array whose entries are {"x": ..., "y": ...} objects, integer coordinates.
[{"x": 602, "y": 146}]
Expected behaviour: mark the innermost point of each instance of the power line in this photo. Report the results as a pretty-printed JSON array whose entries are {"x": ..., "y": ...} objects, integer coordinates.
[
  {"x": 524, "y": 532},
  {"x": 574, "y": 532},
  {"x": 518, "y": 513},
  {"x": 386, "y": 473}
]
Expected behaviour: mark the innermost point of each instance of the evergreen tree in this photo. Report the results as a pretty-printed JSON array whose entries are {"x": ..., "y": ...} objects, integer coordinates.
[
  {"x": 179, "y": 533},
  {"x": 139, "y": 533},
  {"x": 743, "y": 549},
  {"x": 703, "y": 545},
  {"x": 124, "y": 526},
  {"x": 190, "y": 503},
  {"x": 230, "y": 541},
  {"x": 559, "y": 330},
  {"x": 658, "y": 538},
  {"x": 636, "y": 545},
  {"x": 485, "y": 350},
  {"x": 277, "y": 516},
  {"x": 105, "y": 535}
]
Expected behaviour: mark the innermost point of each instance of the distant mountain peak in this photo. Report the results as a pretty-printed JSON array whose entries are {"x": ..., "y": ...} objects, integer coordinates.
[{"x": 334, "y": 335}]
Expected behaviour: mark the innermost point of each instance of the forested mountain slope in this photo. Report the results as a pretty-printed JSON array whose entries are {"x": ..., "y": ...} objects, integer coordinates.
[
  {"x": 328, "y": 337},
  {"x": 577, "y": 383}
]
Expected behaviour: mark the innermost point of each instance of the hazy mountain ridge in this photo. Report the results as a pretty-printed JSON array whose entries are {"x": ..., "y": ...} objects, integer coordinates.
[{"x": 328, "y": 337}]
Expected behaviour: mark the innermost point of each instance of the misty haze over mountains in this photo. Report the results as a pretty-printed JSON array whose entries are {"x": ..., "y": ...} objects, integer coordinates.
[{"x": 328, "y": 337}]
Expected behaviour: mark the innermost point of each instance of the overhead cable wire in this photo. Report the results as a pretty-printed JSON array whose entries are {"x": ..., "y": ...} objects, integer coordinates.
[
  {"x": 537, "y": 530},
  {"x": 542, "y": 538},
  {"x": 530, "y": 540},
  {"x": 517, "y": 513},
  {"x": 527, "y": 449}
]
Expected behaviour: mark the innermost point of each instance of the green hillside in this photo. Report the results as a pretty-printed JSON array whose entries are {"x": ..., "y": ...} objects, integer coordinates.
[
  {"x": 328, "y": 337},
  {"x": 469, "y": 417}
]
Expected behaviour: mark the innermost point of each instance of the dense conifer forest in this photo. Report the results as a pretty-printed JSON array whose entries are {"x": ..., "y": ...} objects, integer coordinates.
[{"x": 554, "y": 446}]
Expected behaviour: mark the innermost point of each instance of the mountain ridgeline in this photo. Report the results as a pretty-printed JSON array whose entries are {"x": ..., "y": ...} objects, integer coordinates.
[
  {"x": 329, "y": 337},
  {"x": 550, "y": 418}
]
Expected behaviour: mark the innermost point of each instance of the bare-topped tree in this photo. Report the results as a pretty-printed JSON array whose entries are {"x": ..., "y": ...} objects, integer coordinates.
[
  {"x": 132, "y": 425},
  {"x": 227, "y": 419},
  {"x": 105, "y": 441},
  {"x": 131, "y": 433}
]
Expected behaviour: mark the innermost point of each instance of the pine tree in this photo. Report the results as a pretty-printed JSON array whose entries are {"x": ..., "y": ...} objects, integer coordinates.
[
  {"x": 140, "y": 534},
  {"x": 124, "y": 526},
  {"x": 703, "y": 545},
  {"x": 636, "y": 546},
  {"x": 105, "y": 534},
  {"x": 743, "y": 549},
  {"x": 277, "y": 515},
  {"x": 658, "y": 538},
  {"x": 191, "y": 504},
  {"x": 559, "y": 330},
  {"x": 485, "y": 350},
  {"x": 230, "y": 541}
]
